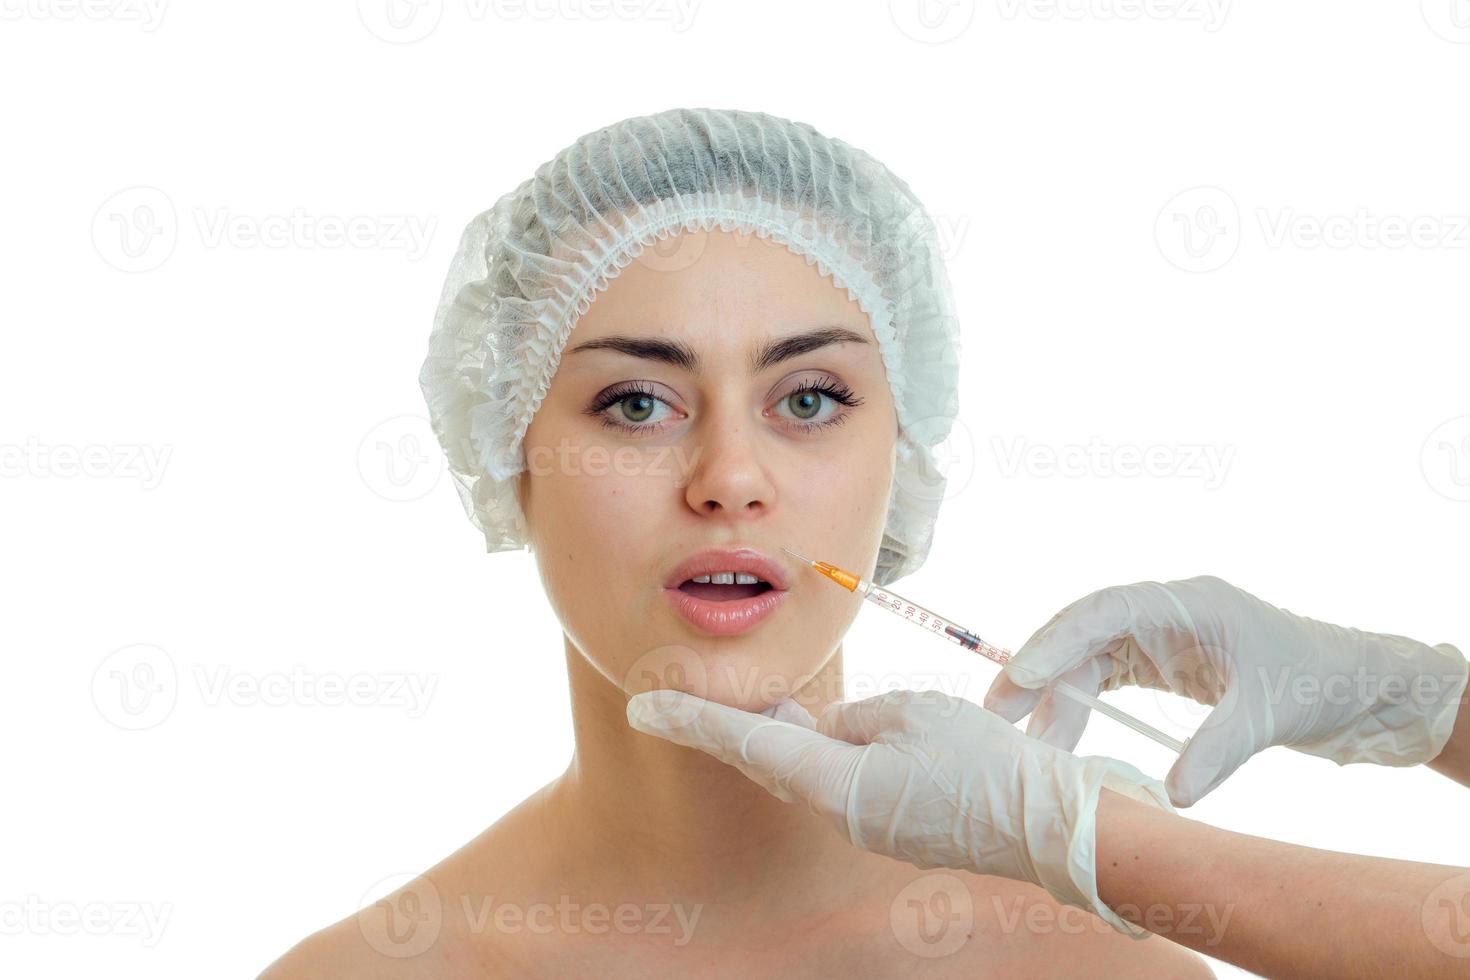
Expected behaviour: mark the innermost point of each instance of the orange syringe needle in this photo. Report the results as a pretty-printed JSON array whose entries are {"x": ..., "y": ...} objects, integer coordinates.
[{"x": 846, "y": 579}]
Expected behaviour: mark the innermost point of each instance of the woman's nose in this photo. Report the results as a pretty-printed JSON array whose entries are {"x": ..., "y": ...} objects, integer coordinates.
[{"x": 729, "y": 477}]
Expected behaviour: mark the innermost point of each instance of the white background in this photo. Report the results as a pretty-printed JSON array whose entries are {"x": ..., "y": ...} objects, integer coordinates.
[{"x": 296, "y": 521}]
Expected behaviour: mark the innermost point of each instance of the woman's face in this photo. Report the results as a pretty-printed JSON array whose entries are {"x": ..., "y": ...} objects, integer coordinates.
[{"x": 724, "y": 395}]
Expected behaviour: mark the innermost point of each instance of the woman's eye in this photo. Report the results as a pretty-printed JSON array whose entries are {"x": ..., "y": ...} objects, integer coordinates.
[
  {"x": 637, "y": 408},
  {"x": 630, "y": 407},
  {"x": 818, "y": 404},
  {"x": 805, "y": 404}
]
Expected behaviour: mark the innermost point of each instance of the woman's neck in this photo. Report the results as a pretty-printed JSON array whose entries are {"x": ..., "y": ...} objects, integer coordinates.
[{"x": 653, "y": 818}]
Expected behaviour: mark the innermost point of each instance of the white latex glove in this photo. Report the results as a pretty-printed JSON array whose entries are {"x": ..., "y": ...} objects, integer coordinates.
[
  {"x": 1275, "y": 678},
  {"x": 923, "y": 777}
]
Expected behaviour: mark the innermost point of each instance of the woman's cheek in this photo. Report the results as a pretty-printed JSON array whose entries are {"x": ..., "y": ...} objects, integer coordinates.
[{"x": 624, "y": 509}]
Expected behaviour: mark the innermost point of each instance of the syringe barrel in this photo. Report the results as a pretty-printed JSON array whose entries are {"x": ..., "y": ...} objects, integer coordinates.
[{"x": 931, "y": 621}]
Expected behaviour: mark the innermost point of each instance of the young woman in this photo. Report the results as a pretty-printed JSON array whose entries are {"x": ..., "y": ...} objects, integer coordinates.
[{"x": 652, "y": 362}]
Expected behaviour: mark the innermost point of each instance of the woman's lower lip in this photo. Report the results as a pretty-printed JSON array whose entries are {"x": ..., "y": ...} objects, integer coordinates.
[{"x": 725, "y": 618}]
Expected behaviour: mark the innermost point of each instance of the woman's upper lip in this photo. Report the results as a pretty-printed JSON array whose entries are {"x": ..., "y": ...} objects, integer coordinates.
[{"x": 747, "y": 560}]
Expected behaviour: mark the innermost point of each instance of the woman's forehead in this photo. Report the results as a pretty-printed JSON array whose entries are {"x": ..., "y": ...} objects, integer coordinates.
[{"x": 726, "y": 292}]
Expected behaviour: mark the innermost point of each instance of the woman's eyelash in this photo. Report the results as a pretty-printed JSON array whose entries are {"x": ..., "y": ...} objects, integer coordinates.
[
  {"x": 832, "y": 388},
  {"x": 618, "y": 393}
]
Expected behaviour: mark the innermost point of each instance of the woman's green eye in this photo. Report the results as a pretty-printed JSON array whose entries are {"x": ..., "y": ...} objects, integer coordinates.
[
  {"x": 637, "y": 408},
  {"x": 805, "y": 404}
]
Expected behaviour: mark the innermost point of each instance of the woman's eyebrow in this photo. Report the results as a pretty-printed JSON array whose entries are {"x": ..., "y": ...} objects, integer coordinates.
[{"x": 681, "y": 355}]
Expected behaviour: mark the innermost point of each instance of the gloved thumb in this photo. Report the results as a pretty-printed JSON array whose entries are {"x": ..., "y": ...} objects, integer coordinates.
[
  {"x": 1213, "y": 753},
  {"x": 790, "y": 761},
  {"x": 791, "y": 711}
]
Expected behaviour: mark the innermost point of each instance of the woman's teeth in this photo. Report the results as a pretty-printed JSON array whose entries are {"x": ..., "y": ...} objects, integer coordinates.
[{"x": 725, "y": 586}]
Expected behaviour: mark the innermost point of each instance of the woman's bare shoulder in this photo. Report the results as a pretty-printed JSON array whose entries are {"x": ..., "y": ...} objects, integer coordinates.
[
  {"x": 416, "y": 931},
  {"x": 336, "y": 951},
  {"x": 430, "y": 926}
]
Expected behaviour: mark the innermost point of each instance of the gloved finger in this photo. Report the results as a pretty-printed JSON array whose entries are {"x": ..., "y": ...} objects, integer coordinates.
[
  {"x": 860, "y": 722},
  {"x": 1058, "y": 720},
  {"x": 1083, "y": 630},
  {"x": 789, "y": 761},
  {"x": 1013, "y": 702},
  {"x": 1220, "y": 746},
  {"x": 790, "y": 711},
  {"x": 1010, "y": 700}
]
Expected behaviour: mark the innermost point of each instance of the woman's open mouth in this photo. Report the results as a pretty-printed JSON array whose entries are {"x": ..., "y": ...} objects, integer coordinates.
[
  {"x": 719, "y": 588},
  {"x": 724, "y": 603}
]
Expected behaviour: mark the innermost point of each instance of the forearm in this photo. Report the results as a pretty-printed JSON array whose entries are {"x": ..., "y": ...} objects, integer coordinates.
[
  {"x": 1454, "y": 759},
  {"x": 1274, "y": 908}
]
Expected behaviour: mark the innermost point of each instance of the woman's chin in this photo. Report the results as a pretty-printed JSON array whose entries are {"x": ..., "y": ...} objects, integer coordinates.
[
  {"x": 751, "y": 673},
  {"x": 752, "y": 684}
]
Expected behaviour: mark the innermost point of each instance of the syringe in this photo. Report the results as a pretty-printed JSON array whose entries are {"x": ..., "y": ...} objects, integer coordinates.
[{"x": 939, "y": 626}]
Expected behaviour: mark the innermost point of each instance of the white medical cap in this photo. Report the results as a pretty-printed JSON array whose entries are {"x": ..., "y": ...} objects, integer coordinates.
[{"x": 531, "y": 265}]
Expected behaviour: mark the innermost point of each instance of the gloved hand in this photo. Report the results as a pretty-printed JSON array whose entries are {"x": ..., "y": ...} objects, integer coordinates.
[
  {"x": 923, "y": 777},
  {"x": 1275, "y": 678}
]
